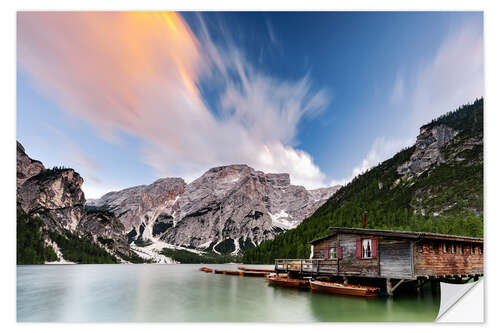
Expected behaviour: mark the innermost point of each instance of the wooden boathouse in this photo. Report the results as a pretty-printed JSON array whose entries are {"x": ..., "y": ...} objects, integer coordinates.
[{"x": 387, "y": 257}]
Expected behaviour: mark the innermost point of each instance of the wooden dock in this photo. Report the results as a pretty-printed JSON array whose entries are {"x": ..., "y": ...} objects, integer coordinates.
[
  {"x": 256, "y": 269},
  {"x": 243, "y": 271}
]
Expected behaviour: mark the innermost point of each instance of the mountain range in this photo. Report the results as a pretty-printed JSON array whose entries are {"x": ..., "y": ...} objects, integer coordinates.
[
  {"x": 227, "y": 210},
  {"x": 434, "y": 185}
]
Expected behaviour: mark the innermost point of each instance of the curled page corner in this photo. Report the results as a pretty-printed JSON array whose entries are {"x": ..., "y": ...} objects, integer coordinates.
[{"x": 461, "y": 302}]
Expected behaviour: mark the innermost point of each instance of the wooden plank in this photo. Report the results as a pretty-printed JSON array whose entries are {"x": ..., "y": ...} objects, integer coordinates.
[{"x": 395, "y": 258}]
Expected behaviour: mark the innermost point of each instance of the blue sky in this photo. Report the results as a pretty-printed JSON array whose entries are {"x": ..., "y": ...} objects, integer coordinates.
[{"x": 125, "y": 98}]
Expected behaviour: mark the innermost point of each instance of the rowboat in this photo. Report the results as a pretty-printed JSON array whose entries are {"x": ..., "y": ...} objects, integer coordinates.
[
  {"x": 206, "y": 269},
  {"x": 288, "y": 282},
  {"x": 256, "y": 269},
  {"x": 254, "y": 273},
  {"x": 344, "y": 289}
]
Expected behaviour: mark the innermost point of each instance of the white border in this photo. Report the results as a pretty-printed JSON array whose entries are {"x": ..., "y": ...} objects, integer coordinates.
[{"x": 7, "y": 144}]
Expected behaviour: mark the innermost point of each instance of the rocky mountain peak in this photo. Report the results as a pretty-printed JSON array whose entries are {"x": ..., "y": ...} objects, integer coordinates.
[
  {"x": 234, "y": 172},
  {"x": 53, "y": 194},
  {"x": 26, "y": 167}
]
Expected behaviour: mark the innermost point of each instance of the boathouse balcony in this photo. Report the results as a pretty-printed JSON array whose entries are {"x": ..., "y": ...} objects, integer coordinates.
[{"x": 304, "y": 266}]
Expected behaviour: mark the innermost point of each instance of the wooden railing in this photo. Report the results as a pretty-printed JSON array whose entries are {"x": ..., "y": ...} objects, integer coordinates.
[{"x": 307, "y": 265}]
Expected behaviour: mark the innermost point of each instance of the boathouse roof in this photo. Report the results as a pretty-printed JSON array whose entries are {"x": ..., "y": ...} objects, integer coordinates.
[{"x": 398, "y": 234}]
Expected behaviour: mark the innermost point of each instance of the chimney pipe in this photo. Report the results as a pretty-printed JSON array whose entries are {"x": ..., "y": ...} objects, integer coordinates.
[{"x": 364, "y": 219}]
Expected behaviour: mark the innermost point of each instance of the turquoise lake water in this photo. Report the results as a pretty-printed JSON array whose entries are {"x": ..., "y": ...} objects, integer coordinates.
[{"x": 181, "y": 293}]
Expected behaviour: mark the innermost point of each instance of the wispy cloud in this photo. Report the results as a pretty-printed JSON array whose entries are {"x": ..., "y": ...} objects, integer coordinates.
[
  {"x": 381, "y": 149},
  {"x": 398, "y": 90},
  {"x": 270, "y": 31},
  {"x": 140, "y": 72},
  {"x": 453, "y": 77}
]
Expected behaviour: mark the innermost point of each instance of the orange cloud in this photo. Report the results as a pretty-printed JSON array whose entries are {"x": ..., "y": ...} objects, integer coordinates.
[
  {"x": 107, "y": 66},
  {"x": 139, "y": 72}
]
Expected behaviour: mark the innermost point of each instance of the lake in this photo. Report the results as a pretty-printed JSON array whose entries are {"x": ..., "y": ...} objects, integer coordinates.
[{"x": 181, "y": 293}]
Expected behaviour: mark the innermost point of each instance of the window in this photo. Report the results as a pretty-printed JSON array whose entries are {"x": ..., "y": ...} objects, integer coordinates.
[
  {"x": 460, "y": 249},
  {"x": 333, "y": 253},
  {"x": 481, "y": 249},
  {"x": 367, "y": 248},
  {"x": 420, "y": 248},
  {"x": 444, "y": 248},
  {"x": 453, "y": 249},
  {"x": 431, "y": 247},
  {"x": 472, "y": 249}
]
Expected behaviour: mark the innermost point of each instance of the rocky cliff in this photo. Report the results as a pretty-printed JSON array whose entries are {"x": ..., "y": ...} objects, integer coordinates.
[
  {"x": 55, "y": 196},
  {"x": 428, "y": 149},
  {"x": 139, "y": 205},
  {"x": 107, "y": 231},
  {"x": 227, "y": 210}
]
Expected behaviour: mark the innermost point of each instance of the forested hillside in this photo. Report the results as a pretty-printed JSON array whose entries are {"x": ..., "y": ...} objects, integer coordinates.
[
  {"x": 411, "y": 191},
  {"x": 31, "y": 247}
]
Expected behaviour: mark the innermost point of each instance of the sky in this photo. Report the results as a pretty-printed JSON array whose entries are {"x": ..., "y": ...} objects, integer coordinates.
[{"x": 125, "y": 98}]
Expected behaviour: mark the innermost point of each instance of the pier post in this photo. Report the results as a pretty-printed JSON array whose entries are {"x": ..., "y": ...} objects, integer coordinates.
[
  {"x": 420, "y": 285},
  {"x": 388, "y": 285},
  {"x": 434, "y": 285}
]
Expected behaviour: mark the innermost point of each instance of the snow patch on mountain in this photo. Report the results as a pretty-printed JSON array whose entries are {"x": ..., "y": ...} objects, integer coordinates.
[{"x": 282, "y": 220}]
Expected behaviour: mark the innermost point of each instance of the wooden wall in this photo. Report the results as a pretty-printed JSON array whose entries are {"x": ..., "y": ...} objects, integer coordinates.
[
  {"x": 322, "y": 245},
  {"x": 437, "y": 263},
  {"x": 395, "y": 259},
  {"x": 350, "y": 265}
]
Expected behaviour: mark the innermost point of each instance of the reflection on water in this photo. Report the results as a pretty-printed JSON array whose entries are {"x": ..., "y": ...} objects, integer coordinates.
[{"x": 165, "y": 293}]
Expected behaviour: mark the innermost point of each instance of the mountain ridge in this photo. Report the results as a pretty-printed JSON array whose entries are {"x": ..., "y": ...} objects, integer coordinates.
[{"x": 231, "y": 207}]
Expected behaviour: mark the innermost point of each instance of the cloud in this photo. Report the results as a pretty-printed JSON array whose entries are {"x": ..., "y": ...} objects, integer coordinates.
[
  {"x": 270, "y": 31},
  {"x": 140, "y": 73},
  {"x": 398, "y": 90},
  {"x": 452, "y": 78},
  {"x": 381, "y": 150}
]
